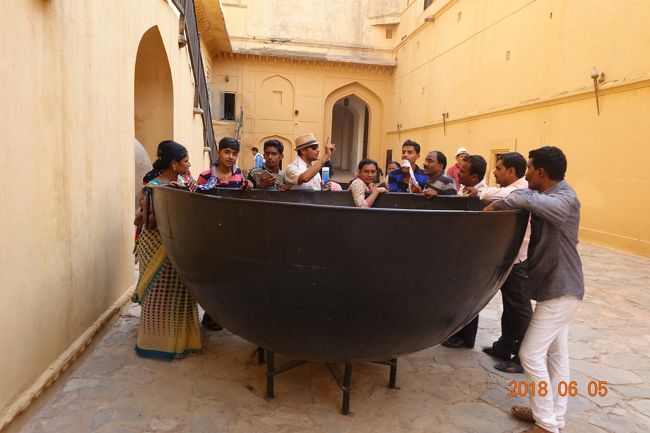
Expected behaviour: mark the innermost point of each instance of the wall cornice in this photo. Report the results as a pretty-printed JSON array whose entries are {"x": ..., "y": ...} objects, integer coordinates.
[{"x": 309, "y": 59}]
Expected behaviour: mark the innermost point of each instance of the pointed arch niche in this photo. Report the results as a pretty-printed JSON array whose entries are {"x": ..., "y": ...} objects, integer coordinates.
[
  {"x": 353, "y": 119},
  {"x": 153, "y": 93},
  {"x": 276, "y": 99}
]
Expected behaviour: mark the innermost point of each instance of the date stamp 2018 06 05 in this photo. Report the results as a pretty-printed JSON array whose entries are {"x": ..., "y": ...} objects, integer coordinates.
[{"x": 595, "y": 388}]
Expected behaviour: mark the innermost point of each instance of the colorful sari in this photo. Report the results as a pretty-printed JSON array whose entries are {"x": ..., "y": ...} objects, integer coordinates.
[{"x": 169, "y": 322}]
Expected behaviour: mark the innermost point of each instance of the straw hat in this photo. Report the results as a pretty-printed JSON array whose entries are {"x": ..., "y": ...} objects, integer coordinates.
[{"x": 305, "y": 140}]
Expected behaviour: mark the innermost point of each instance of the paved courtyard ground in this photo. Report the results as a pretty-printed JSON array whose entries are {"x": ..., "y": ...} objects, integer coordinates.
[{"x": 110, "y": 389}]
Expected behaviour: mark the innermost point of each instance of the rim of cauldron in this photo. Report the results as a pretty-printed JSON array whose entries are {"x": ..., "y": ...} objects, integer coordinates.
[{"x": 330, "y": 206}]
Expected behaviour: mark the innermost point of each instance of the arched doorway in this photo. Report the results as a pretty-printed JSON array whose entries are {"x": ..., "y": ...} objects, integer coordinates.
[
  {"x": 153, "y": 93},
  {"x": 350, "y": 133},
  {"x": 357, "y": 123}
]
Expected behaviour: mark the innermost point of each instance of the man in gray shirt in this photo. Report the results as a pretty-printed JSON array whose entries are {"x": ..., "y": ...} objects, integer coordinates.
[{"x": 555, "y": 281}]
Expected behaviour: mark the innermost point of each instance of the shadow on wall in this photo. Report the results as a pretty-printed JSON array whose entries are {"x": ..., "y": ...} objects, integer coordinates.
[{"x": 153, "y": 93}]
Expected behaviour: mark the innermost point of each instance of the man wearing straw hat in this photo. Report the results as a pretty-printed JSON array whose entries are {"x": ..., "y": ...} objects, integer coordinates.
[{"x": 304, "y": 171}]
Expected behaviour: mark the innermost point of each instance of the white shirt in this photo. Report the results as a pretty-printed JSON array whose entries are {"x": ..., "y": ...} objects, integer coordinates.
[
  {"x": 494, "y": 193},
  {"x": 479, "y": 187},
  {"x": 295, "y": 169}
]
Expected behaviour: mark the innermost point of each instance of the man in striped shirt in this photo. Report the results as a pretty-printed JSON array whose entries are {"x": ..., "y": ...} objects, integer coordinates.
[{"x": 439, "y": 183}]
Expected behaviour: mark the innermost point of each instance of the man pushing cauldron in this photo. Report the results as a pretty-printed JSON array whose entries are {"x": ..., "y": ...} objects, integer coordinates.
[{"x": 555, "y": 280}]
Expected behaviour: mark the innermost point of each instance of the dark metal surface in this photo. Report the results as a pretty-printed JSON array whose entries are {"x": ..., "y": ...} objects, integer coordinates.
[{"x": 326, "y": 283}]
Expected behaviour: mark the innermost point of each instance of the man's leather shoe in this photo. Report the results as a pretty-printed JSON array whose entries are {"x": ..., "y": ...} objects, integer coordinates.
[
  {"x": 455, "y": 343},
  {"x": 496, "y": 354},
  {"x": 210, "y": 324}
]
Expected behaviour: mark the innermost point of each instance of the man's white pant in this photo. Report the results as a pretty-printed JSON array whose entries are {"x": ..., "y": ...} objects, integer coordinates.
[{"x": 547, "y": 335}]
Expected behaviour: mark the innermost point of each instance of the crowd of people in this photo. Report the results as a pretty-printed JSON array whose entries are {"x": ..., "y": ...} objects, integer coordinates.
[{"x": 547, "y": 268}]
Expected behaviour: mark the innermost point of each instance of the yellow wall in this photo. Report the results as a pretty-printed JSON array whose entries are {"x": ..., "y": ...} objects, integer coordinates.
[
  {"x": 516, "y": 75},
  {"x": 512, "y": 75},
  {"x": 309, "y": 87},
  {"x": 67, "y": 86}
]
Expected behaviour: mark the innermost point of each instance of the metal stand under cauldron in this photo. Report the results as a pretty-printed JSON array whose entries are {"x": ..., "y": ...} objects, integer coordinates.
[{"x": 344, "y": 381}]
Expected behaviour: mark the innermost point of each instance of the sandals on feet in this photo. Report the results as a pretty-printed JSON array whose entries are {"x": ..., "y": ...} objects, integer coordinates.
[{"x": 523, "y": 413}]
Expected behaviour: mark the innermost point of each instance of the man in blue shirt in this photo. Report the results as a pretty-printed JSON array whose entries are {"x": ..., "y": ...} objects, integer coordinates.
[
  {"x": 398, "y": 181},
  {"x": 258, "y": 158}
]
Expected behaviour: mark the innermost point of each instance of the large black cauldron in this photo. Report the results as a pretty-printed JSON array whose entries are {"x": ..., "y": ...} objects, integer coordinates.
[{"x": 309, "y": 275}]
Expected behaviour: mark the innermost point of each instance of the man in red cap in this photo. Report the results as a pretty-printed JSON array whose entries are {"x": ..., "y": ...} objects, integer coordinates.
[{"x": 461, "y": 154}]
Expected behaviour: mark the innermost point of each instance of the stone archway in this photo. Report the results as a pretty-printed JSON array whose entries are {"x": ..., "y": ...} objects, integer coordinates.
[
  {"x": 349, "y": 132},
  {"x": 153, "y": 93},
  {"x": 356, "y": 126}
]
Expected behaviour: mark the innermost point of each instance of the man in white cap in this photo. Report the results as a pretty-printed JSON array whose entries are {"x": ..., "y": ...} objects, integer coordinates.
[
  {"x": 304, "y": 171},
  {"x": 461, "y": 153}
]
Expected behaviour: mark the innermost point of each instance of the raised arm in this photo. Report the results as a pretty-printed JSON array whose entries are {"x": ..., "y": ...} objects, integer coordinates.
[{"x": 312, "y": 171}]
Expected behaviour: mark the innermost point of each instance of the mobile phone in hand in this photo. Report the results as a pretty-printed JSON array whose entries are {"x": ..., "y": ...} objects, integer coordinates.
[{"x": 326, "y": 175}]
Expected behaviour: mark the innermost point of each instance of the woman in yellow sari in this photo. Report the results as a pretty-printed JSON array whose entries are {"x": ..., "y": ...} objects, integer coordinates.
[{"x": 169, "y": 322}]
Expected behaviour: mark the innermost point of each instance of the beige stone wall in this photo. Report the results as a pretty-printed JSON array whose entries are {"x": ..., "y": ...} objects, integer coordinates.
[
  {"x": 516, "y": 75},
  {"x": 67, "y": 86},
  {"x": 271, "y": 91},
  {"x": 512, "y": 75},
  {"x": 337, "y": 28}
]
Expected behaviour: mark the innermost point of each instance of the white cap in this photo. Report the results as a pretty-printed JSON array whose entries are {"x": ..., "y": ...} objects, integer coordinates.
[{"x": 461, "y": 150}]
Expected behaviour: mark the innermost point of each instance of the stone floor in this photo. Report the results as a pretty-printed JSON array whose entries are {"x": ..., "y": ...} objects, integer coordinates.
[{"x": 110, "y": 389}]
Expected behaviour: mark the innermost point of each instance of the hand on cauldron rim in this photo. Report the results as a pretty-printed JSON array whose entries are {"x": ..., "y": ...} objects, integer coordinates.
[
  {"x": 489, "y": 208},
  {"x": 429, "y": 192},
  {"x": 415, "y": 188},
  {"x": 247, "y": 184},
  {"x": 285, "y": 187},
  {"x": 191, "y": 183}
]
